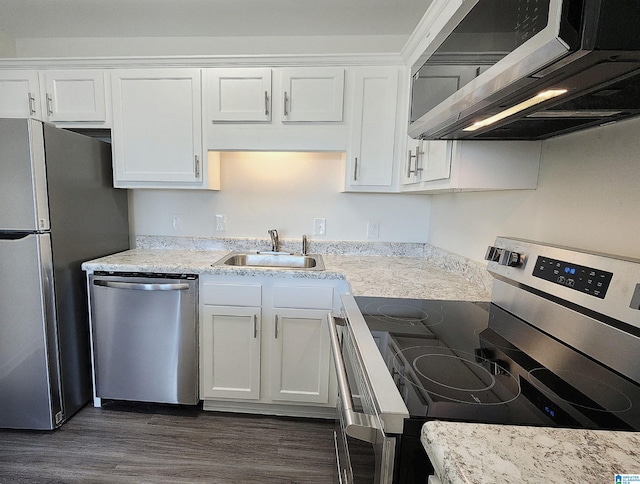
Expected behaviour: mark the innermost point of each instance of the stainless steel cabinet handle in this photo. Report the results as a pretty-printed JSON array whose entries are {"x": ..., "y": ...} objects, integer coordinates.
[
  {"x": 49, "y": 104},
  {"x": 276, "y": 327},
  {"x": 181, "y": 286},
  {"x": 355, "y": 170},
  {"x": 32, "y": 101},
  {"x": 286, "y": 102},
  {"x": 409, "y": 171},
  {"x": 255, "y": 326},
  {"x": 417, "y": 158},
  {"x": 197, "y": 166},
  {"x": 266, "y": 103},
  {"x": 358, "y": 425}
]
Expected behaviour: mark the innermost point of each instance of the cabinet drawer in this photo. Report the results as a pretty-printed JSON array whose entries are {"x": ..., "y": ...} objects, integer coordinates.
[
  {"x": 303, "y": 297},
  {"x": 231, "y": 294}
]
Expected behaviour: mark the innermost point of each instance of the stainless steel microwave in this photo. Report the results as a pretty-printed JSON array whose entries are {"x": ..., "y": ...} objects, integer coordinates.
[{"x": 527, "y": 69}]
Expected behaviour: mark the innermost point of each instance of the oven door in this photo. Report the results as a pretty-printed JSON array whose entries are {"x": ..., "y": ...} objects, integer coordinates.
[{"x": 364, "y": 453}]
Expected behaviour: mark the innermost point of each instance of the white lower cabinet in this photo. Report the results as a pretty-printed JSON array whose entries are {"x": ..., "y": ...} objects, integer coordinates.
[
  {"x": 300, "y": 356},
  {"x": 230, "y": 360},
  {"x": 271, "y": 357}
]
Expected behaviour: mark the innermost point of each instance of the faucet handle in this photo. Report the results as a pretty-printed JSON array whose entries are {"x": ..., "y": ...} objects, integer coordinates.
[
  {"x": 274, "y": 240},
  {"x": 305, "y": 245}
]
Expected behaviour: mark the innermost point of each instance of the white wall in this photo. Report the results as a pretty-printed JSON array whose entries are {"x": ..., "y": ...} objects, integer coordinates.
[
  {"x": 168, "y": 46},
  {"x": 286, "y": 191},
  {"x": 588, "y": 197},
  {"x": 7, "y": 45}
]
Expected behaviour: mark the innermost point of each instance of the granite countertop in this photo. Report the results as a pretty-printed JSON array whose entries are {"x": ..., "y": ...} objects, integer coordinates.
[
  {"x": 487, "y": 454},
  {"x": 390, "y": 276}
]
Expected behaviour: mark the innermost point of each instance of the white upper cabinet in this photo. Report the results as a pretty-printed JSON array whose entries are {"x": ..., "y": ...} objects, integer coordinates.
[
  {"x": 19, "y": 94},
  {"x": 157, "y": 129},
  {"x": 427, "y": 161},
  {"x": 239, "y": 94},
  {"x": 370, "y": 156},
  {"x": 477, "y": 166},
  {"x": 305, "y": 94},
  {"x": 74, "y": 96},
  {"x": 312, "y": 94}
]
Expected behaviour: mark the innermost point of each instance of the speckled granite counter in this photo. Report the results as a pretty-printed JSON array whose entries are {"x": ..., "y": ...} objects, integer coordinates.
[
  {"x": 487, "y": 454},
  {"x": 409, "y": 277}
]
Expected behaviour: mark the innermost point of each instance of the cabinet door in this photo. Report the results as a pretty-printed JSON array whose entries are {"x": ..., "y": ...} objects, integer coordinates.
[
  {"x": 312, "y": 94},
  {"x": 300, "y": 356},
  {"x": 75, "y": 95},
  {"x": 370, "y": 155},
  {"x": 413, "y": 161},
  {"x": 427, "y": 161},
  {"x": 437, "y": 160},
  {"x": 239, "y": 94},
  {"x": 19, "y": 94},
  {"x": 157, "y": 135},
  {"x": 230, "y": 352}
]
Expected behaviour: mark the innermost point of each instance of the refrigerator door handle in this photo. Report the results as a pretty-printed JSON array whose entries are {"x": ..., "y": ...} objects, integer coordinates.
[{"x": 142, "y": 287}]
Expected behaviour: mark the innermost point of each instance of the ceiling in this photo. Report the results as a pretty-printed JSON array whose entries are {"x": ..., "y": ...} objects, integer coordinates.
[{"x": 207, "y": 18}]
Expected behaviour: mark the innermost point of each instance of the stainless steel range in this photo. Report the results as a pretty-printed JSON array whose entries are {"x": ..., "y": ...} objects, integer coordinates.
[{"x": 556, "y": 346}]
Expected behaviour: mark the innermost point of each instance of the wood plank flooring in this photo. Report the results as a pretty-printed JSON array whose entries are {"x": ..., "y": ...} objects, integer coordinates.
[{"x": 164, "y": 444}]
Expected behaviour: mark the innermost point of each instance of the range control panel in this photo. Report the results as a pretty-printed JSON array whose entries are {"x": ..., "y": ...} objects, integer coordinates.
[{"x": 584, "y": 279}]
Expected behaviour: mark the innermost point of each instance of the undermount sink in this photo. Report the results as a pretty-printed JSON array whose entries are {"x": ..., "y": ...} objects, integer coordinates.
[{"x": 279, "y": 260}]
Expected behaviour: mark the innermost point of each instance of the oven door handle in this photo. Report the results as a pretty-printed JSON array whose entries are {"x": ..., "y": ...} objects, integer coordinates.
[{"x": 357, "y": 425}]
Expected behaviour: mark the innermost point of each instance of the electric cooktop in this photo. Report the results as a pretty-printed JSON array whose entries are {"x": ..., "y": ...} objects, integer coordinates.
[{"x": 475, "y": 362}]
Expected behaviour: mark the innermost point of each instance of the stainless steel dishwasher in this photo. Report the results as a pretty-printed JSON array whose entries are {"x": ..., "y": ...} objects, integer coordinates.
[{"x": 145, "y": 336}]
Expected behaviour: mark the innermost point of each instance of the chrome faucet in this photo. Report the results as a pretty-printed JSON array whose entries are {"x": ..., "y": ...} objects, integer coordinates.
[
  {"x": 305, "y": 245},
  {"x": 275, "y": 242}
]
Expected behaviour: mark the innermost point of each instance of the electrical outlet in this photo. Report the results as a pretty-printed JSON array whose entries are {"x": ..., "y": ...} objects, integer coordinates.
[
  {"x": 176, "y": 222},
  {"x": 319, "y": 226},
  {"x": 373, "y": 230},
  {"x": 221, "y": 222}
]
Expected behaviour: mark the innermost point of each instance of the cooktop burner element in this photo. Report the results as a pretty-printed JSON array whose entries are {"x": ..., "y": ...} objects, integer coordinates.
[
  {"x": 454, "y": 376},
  {"x": 611, "y": 398},
  {"x": 398, "y": 314}
]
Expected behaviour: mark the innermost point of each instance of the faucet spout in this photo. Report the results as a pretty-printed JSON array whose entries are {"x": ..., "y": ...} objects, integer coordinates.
[{"x": 275, "y": 241}]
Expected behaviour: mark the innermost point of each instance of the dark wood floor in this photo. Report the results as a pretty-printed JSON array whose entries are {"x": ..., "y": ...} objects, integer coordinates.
[{"x": 148, "y": 443}]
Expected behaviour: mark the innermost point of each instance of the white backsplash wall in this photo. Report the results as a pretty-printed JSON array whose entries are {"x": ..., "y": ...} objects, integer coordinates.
[
  {"x": 588, "y": 197},
  {"x": 285, "y": 191}
]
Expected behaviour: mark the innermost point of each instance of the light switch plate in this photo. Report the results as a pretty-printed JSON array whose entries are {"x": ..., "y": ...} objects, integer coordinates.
[
  {"x": 319, "y": 226},
  {"x": 221, "y": 222}
]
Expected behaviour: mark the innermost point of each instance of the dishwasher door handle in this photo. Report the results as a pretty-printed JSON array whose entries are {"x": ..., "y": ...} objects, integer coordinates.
[{"x": 180, "y": 286}]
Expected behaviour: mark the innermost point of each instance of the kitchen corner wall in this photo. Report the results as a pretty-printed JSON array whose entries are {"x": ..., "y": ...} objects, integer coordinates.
[
  {"x": 285, "y": 191},
  {"x": 588, "y": 197}
]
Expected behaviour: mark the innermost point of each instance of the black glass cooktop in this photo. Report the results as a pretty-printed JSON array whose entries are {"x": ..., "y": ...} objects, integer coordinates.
[{"x": 474, "y": 362}]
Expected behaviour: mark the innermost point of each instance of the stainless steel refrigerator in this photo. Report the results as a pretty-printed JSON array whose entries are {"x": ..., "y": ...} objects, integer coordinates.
[{"x": 58, "y": 208}]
